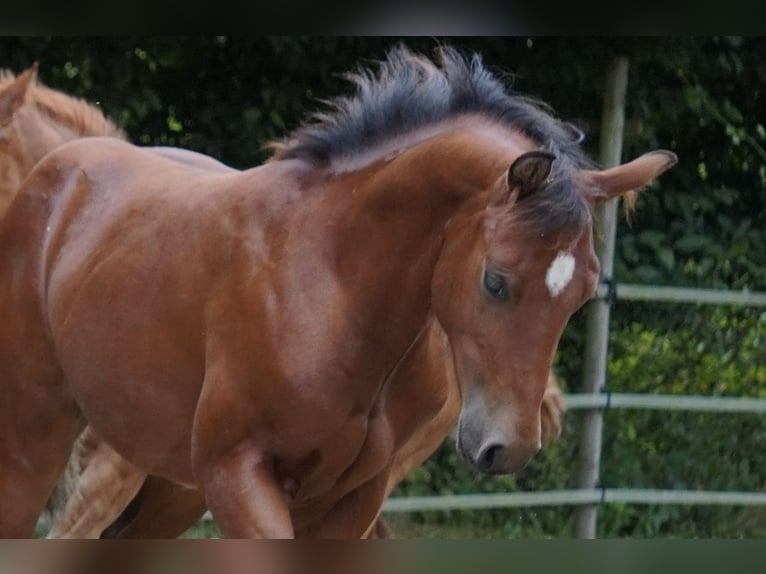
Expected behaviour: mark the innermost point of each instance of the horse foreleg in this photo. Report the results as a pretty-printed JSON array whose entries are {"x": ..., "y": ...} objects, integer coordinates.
[
  {"x": 356, "y": 514},
  {"x": 103, "y": 490},
  {"x": 242, "y": 487},
  {"x": 245, "y": 496}
]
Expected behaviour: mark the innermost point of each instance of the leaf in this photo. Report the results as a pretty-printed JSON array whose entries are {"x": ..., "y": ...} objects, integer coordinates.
[
  {"x": 694, "y": 96},
  {"x": 667, "y": 258},
  {"x": 647, "y": 274},
  {"x": 651, "y": 238},
  {"x": 692, "y": 243}
]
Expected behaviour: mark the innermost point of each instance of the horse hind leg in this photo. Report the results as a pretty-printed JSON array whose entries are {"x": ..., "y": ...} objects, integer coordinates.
[
  {"x": 162, "y": 509},
  {"x": 82, "y": 452},
  {"x": 101, "y": 492}
]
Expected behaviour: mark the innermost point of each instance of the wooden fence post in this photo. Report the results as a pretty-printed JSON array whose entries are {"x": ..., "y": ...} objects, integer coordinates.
[{"x": 597, "y": 326}]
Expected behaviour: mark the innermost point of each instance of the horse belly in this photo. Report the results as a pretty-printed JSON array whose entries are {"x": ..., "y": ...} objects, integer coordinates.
[{"x": 142, "y": 403}]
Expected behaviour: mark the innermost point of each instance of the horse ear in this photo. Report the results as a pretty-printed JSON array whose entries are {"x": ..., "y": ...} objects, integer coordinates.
[
  {"x": 629, "y": 177},
  {"x": 526, "y": 175},
  {"x": 12, "y": 96},
  {"x": 530, "y": 171}
]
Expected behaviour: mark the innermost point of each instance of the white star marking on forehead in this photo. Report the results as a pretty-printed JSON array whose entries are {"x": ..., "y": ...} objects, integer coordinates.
[{"x": 560, "y": 273}]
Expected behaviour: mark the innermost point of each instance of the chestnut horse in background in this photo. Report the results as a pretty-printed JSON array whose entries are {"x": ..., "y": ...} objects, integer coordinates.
[
  {"x": 34, "y": 120},
  {"x": 277, "y": 305}
]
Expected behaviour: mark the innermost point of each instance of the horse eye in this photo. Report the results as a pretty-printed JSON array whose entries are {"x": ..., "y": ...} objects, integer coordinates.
[{"x": 496, "y": 285}]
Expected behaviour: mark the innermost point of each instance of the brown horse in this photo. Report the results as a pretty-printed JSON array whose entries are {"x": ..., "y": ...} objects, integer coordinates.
[
  {"x": 275, "y": 306},
  {"x": 98, "y": 482}
]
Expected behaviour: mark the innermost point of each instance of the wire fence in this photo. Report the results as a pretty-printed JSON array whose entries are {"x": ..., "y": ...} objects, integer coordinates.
[
  {"x": 572, "y": 496},
  {"x": 595, "y": 496}
]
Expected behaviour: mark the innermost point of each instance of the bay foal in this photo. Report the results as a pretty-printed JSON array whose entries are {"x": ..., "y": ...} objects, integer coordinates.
[{"x": 286, "y": 431}]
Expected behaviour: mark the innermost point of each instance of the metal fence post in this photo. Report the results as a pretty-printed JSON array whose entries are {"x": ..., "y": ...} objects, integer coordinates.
[{"x": 597, "y": 326}]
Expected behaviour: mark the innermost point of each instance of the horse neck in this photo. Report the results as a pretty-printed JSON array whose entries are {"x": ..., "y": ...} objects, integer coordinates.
[
  {"x": 36, "y": 135},
  {"x": 398, "y": 211},
  {"x": 47, "y": 120},
  {"x": 418, "y": 191},
  {"x": 71, "y": 118}
]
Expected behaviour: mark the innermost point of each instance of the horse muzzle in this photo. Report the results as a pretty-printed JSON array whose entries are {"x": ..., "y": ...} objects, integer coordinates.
[{"x": 493, "y": 454}]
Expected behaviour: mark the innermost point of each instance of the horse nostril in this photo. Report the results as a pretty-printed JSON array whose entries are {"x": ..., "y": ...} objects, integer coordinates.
[{"x": 490, "y": 458}]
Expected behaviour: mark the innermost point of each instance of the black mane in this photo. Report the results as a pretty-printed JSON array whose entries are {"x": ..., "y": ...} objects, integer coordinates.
[{"x": 410, "y": 91}]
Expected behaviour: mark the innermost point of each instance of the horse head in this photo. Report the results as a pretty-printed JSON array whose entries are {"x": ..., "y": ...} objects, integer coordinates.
[
  {"x": 509, "y": 278},
  {"x": 35, "y": 120}
]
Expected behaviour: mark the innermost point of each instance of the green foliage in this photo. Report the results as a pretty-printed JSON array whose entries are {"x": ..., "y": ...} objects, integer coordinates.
[
  {"x": 714, "y": 352},
  {"x": 703, "y": 224},
  {"x": 705, "y": 227}
]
